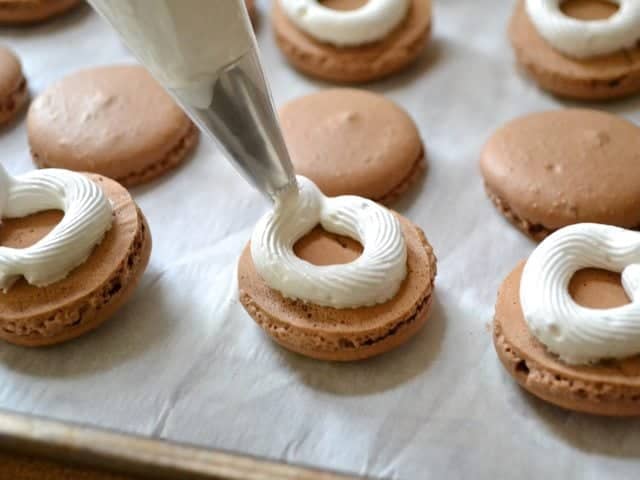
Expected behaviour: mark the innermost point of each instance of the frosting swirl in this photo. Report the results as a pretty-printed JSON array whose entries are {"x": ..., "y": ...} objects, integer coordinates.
[
  {"x": 369, "y": 23},
  {"x": 372, "y": 278},
  {"x": 87, "y": 216},
  {"x": 577, "y": 334},
  {"x": 584, "y": 39}
]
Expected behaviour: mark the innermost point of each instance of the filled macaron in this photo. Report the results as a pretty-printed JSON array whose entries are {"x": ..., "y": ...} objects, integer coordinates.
[
  {"x": 63, "y": 274},
  {"x": 351, "y": 41},
  {"x": 336, "y": 278},
  {"x": 566, "y": 320},
  {"x": 582, "y": 49}
]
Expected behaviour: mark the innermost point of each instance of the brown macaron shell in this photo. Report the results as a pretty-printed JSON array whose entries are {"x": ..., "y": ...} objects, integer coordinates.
[
  {"x": 548, "y": 170},
  {"x": 13, "y": 86},
  {"x": 599, "y": 78},
  {"x": 354, "y": 64},
  {"x": 348, "y": 334},
  {"x": 33, "y": 11},
  {"x": 92, "y": 292},
  {"x": 353, "y": 142},
  {"x": 116, "y": 121},
  {"x": 608, "y": 388}
]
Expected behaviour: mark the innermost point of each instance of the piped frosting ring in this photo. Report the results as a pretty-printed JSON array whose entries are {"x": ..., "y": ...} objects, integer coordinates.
[
  {"x": 369, "y": 23},
  {"x": 586, "y": 38},
  {"x": 577, "y": 334},
  {"x": 87, "y": 217},
  {"x": 372, "y": 278}
]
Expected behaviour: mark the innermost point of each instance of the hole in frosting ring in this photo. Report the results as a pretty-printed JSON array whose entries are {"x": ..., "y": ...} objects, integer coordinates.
[
  {"x": 372, "y": 278},
  {"x": 26, "y": 231},
  {"x": 586, "y": 38},
  {"x": 596, "y": 288},
  {"x": 320, "y": 247},
  {"x": 589, "y": 9},
  {"x": 344, "y": 5}
]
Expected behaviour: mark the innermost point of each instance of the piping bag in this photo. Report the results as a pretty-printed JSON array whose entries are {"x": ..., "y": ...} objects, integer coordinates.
[{"x": 204, "y": 53}]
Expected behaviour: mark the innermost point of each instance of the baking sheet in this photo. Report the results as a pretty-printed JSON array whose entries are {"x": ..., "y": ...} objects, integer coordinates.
[{"x": 183, "y": 361}]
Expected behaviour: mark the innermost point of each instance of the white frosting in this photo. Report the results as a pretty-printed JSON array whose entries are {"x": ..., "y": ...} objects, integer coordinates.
[
  {"x": 184, "y": 44},
  {"x": 584, "y": 39},
  {"x": 372, "y": 278},
  {"x": 580, "y": 335},
  {"x": 87, "y": 216},
  {"x": 369, "y": 23}
]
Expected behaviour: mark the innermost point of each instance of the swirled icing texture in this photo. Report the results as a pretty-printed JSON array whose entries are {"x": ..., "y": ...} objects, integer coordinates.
[
  {"x": 372, "y": 278},
  {"x": 87, "y": 217},
  {"x": 369, "y": 23},
  {"x": 584, "y": 39},
  {"x": 577, "y": 334}
]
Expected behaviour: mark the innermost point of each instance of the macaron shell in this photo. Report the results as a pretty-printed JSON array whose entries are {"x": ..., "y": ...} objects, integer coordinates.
[
  {"x": 33, "y": 11},
  {"x": 13, "y": 85},
  {"x": 352, "y": 142},
  {"x": 552, "y": 169},
  {"x": 601, "y": 78},
  {"x": 116, "y": 121},
  {"x": 342, "y": 334},
  {"x": 92, "y": 292},
  {"x": 355, "y": 64},
  {"x": 609, "y": 388}
]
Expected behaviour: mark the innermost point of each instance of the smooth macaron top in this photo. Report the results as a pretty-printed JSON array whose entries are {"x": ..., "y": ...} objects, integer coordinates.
[
  {"x": 562, "y": 167},
  {"x": 351, "y": 142},
  {"x": 110, "y": 120},
  {"x": 10, "y": 72}
]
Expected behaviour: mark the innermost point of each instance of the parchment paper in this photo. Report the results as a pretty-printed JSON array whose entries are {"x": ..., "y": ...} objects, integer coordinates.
[{"x": 183, "y": 360}]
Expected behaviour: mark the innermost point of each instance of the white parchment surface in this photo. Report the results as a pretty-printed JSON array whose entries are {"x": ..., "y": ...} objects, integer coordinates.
[{"x": 183, "y": 360}]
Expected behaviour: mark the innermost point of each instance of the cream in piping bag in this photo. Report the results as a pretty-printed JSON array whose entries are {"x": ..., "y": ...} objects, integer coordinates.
[{"x": 204, "y": 53}]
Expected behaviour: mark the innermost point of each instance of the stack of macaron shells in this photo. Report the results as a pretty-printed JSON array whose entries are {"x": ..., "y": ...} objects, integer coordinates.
[
  {"x": 563, "y": 56},
  {"x": 351, "y": 41}
]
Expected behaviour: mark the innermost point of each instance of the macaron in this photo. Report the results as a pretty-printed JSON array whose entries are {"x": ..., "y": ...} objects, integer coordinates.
[
  {"x": 548, "y": 170},
  {"x": 13, "y": 86},
  {"x": 353, "y": 142},
  {"x": 116, "y": 121},
  {"x": 598, "y": 78},
  {"x": 327, "y": 333},
  {"x": 33, "y": 11},
  {"x": 606, "y": 388},
  {"x": 354, "y": 64},
  {"x": 92, "y": 292}
]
